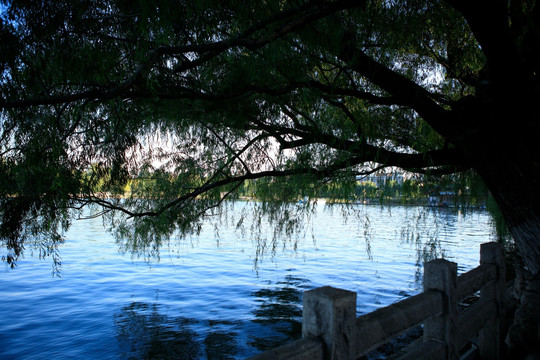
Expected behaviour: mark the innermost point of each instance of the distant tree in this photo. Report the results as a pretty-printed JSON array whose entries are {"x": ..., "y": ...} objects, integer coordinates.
[
  {"x": 367, "y": 190},
  {"x": 213, "y": 94},
  {"x": 412, "y": 189}
]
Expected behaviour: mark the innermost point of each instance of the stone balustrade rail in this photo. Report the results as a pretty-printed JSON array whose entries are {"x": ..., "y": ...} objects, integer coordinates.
[{"x": 331, "y": 330}]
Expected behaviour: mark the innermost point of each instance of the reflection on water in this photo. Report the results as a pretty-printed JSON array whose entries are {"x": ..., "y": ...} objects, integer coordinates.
[
  {"x": 424, "y": 229},
  {"x": 279, "y": 309},
  {"x": 221, "y": 298},
  {"x": 143, "y": 332}
]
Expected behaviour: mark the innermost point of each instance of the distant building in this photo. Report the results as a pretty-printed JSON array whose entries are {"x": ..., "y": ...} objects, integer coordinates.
[
  {"x": 441, "y": 198},
  {"x": 381, "y": 178}
]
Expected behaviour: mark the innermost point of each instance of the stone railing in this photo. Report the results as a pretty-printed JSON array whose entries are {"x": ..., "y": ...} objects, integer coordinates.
[{"x": 331, "y": 330}]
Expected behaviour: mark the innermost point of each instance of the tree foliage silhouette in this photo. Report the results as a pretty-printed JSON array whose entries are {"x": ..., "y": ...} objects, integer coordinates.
[{"x": 184, "y": 102}]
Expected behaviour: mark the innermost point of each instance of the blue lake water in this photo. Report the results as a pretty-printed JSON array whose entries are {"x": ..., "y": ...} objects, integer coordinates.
[{"x": 225, "y": 297}]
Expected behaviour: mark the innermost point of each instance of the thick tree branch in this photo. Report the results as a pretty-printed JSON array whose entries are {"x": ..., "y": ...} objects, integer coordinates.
[
  {"x": 363, "y": 150},
  {"x": 490, "y": 23},
  {"x": 321, "y": 173},
  {"x": 355, "y": 93},
  {"x": 406, "y": 91},
  {"x": 419, "y": 162}
]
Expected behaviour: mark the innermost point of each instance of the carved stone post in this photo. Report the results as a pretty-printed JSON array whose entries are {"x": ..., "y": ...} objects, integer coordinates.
[
  {"x": 490, "y": 337},
  {"x": 330, "y": 314},
  {"x": 441, "y": 275}
]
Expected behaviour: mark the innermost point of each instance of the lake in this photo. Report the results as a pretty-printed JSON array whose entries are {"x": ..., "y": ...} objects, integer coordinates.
[{"x": 225, "y": 297}]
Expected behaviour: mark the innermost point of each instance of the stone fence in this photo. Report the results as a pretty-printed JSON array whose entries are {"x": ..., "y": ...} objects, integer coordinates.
[{"x": 331, "y": 330}]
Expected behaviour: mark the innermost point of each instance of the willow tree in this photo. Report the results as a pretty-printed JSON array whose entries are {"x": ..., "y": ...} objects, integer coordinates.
[{"x": 187, "y": 101}]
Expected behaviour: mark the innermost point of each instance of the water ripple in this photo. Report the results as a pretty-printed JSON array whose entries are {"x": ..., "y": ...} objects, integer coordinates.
[{"x": 218, "y": 298}]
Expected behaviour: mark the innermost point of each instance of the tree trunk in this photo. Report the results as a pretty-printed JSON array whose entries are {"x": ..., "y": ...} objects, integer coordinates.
[
  {"x": 518, "y": 202},
  {"x": 505, "y": 152},
  {"x": 500, "y": 140},
  {"x": 515, "y": 186}
]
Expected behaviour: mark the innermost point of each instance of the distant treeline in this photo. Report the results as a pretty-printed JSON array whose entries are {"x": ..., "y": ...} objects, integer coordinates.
[{"x": 465, "y": 190}]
